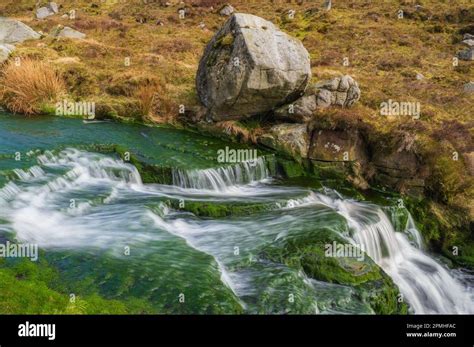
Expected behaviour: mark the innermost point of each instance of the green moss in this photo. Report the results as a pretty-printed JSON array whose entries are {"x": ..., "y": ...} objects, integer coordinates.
[
  {"x": 445, "y": 229},
  {"x": 290, "y": 168},
  {"x": 222, "y": 209},
  {"x": 29, "y": 287},
  {"x": 369, "y": 280}
]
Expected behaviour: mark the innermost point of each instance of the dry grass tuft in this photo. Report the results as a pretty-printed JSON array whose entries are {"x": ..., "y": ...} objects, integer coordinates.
[
  {"x": 155, "y": 102},
  {"x": 29, "y": 86},
  {"x": 234, "y": 129}
]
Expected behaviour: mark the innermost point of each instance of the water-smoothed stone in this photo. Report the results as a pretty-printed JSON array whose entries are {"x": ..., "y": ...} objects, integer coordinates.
[
  {"x": 5, "y": 51},
  {"x": 251, "y": 67},
  {"x": 14, "y": 31},
  {"x": 290, "y": 139}
]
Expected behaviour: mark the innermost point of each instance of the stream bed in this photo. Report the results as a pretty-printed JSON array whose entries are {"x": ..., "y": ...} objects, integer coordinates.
[{"x": 216, "y": 239}]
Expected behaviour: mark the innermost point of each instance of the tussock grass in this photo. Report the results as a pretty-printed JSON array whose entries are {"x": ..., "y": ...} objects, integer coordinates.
[
  {"x": 155, "y": 103},
  {"x": 30, "y": 86}
]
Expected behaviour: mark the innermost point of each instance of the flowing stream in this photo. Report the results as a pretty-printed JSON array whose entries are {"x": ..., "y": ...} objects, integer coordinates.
[{"x": 83, "y": 208}]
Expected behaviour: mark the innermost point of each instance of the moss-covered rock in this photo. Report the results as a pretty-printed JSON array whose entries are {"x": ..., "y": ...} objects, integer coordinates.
[
  {"x": 221, "y": 209},
  {"x": 308, "y": 254}
]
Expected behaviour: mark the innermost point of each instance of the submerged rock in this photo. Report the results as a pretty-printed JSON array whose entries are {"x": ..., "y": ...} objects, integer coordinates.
[
  {"x": 251, "y": 67},
  {"x": 14, "y": 31}
]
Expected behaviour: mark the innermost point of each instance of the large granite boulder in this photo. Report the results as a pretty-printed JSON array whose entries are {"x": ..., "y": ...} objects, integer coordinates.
[
  {"x": 14, "y": 31},
  {"x": 251, "y": 67}
]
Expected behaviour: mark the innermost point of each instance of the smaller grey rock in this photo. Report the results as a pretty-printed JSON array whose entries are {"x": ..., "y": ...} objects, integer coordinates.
[
  {"x": 5, "y": 51},
  {"x": 48, "y": 10},
  {"x": 53, "y": 7},
  {"x": 467, "y": 54},
  {"x": 43, "y": 12},
  {"x": 324, "y": 98},
  {"x": 420, "y": 76},
  {"x": 331, "y": 85},
  {"x": 226, "y": 10},
  {"x": 327, "y": 5},
  {"x": 341, "y": 91},
  {"x": 68, "y": 32},
  {"x": 469, "y": 87},
  {"x": 469, "y": 42},
  {"x": 299, "y": 111},
  {"x": 468, "y": 37}
]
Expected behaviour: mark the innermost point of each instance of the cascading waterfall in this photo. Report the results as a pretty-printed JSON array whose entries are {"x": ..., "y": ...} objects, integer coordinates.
[
  {"x": 221, "y": 178},
  {"x": 35, "y": 208},
  {"x": 427, "y": 286}
]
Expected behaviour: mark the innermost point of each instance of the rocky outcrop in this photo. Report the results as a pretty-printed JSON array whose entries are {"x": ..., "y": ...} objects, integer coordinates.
[
  {"x": 337, "y": 145},
  {"x": 251, "y": 67},
  {"x": 13, "y": 31},
  {"x": 299, "y": 111},
  {"x": 341, "y": 91},
  {"x": 291, "y": 139},
  {"x": 46, "y": 11},
  {"x": 399, "y": 168}
]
